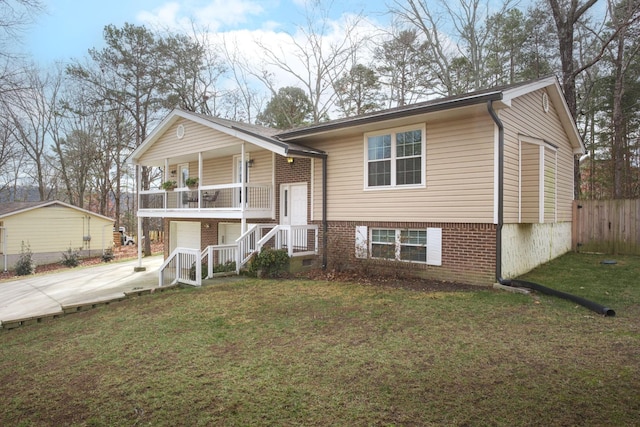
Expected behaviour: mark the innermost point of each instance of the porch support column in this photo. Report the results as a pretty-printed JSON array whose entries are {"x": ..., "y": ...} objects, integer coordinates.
[
  {"x": 139, "y": 185},
  {"x": 325, "y": 224},
  {"x": 243, "y": 191},
  {"x": 199, "y": 178},
  {"x": 139, "y": 267}
]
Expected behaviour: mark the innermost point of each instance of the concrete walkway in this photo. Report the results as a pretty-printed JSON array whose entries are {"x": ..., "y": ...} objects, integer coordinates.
[{"x": 49, "y": 295}]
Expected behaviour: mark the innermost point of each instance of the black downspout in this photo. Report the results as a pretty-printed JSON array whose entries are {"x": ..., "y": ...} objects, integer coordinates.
[
  {"x": 606, "y": 311},
  {"x": 498, "y": 122},
  {"x": 325, "y": 226}
]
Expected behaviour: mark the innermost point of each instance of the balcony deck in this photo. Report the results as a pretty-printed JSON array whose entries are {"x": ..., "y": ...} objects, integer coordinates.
[{"x": 211, "y": 201}]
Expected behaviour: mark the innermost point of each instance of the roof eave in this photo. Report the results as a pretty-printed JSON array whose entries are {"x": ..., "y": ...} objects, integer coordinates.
[
  {"x": 390, "y": 115},
  {"x": 54, "y": 202}
]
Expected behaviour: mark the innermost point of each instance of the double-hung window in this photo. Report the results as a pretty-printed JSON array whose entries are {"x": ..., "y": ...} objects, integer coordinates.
[
  {"x": 409, "y": 245},
  {"x": 395, "y": 158},
  {"x": 401, "y": 245}
]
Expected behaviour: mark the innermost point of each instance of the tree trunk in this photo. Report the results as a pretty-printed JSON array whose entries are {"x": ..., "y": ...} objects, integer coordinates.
[{"x": 619, "y": 134}]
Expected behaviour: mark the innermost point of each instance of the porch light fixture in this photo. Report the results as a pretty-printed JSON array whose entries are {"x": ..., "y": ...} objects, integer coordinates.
[
  {"x": 250, "y": 163},
  {"x": 289, "y": 160}
]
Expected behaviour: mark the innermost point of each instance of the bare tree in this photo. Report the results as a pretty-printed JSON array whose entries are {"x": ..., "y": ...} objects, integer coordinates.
[
  {"x": 31, "y": 113},
  {"x": 624, "y": 51},
  {"x": 15, "y": 16},
  {"x": 128, "y": 75},
  {"x": 567, "y": 15},
  {"x": 455, "y": 36},
  {"x": 313, "y": 58},
  {"x": 244, "y": 102}
]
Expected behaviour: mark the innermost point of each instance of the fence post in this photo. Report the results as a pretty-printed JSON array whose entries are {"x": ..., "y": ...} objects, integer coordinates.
[
  {"x": 198, "y": 270},
  {"x": 210, "y": 261},
  {"x": 574, "y": 225}
]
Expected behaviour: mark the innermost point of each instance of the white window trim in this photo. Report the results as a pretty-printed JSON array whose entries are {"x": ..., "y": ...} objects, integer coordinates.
[
  {"x": 433, "y": 244},
  {"x": 542, "y": 144},
  {"x": 392, "y": 131}
]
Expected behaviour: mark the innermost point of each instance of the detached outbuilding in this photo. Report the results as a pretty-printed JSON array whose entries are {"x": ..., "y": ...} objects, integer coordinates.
[{"x": 50, "y": 228}]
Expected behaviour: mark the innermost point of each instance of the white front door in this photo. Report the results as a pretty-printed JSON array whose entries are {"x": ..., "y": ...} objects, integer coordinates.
[{"x": 293, "y": 209}]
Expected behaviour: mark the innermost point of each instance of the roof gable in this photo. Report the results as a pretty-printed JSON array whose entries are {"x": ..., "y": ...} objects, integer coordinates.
[
  {"x": 16, "y": 208},
  {"x": 253, "y": 134}
]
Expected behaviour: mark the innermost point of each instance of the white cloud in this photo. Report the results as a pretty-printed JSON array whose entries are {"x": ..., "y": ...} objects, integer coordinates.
[
  {"x": 214, "y": 14},
  {"x": 248, "y": 44},
  {"x": 224, "y": 19}
]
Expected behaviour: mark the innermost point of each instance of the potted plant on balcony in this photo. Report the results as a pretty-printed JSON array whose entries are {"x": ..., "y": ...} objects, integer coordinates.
[
  {"x": 191, "y": 182},
  {"x": 169, "y": 185}
]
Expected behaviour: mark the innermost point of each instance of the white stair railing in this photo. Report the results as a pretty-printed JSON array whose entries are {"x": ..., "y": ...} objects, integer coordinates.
[
  {"x": 219, "y": 255},
  {"x": 248, "y": 242},
  {"x": 182, "y": 266}
]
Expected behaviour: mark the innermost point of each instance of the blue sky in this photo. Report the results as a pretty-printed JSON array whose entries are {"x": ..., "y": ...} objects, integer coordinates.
[{"x": 70, "y": 27}]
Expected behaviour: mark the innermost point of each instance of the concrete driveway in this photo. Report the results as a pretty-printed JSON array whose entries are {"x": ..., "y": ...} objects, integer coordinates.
[{"x": 46, "y": 295}]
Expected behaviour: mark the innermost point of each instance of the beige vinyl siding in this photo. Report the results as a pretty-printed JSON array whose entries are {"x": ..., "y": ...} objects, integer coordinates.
[
  {"x": 56, "y": 229},
  {"x": 217, "y": 171},
  {"x": 530, "y": 187},
  {"x": 549, "y": 185},
  {"x": 527, "y": 117},
  {"x": 459, "y": 178},
  {"x": 196, "y": 138}
]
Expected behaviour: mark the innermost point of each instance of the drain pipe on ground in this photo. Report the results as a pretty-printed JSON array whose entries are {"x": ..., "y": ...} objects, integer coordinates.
[{"x": 605, "y": 311}]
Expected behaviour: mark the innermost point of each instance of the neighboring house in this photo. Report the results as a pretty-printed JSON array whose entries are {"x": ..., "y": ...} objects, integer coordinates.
[
  {"x": 50, "y": 228},
  {"x": 472, "y": 188}
]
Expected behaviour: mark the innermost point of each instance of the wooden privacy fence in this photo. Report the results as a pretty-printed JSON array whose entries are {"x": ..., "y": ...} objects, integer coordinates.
[{"x": 607, "y": 226}]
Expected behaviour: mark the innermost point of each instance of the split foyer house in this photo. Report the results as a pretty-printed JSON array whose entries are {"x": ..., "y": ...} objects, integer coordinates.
[{"x": 471, "y": 188}]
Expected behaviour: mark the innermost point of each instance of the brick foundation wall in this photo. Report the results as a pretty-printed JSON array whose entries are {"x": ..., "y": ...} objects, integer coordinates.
[{"x": 468, "y": 251}]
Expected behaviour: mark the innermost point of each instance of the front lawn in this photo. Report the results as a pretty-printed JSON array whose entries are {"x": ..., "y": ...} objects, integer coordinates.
[{"x": 319, "y": 353}]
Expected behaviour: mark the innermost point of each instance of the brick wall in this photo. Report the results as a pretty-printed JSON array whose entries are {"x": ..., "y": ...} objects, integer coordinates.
[
  {"x": 208, "y": 230},
  {"x": 298, "y": 171},
  {"x": 468, "y": 251}
]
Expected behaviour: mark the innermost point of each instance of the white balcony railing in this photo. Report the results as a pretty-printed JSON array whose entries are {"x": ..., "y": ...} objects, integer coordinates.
[{"x": 209, "y": 197}]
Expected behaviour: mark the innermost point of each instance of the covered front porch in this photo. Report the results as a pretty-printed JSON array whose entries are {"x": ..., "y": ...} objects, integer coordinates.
[{"x": 196, "y": 168}]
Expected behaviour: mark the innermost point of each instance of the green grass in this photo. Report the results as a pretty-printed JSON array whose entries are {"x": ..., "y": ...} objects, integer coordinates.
[{"x": 325, "y": 353}]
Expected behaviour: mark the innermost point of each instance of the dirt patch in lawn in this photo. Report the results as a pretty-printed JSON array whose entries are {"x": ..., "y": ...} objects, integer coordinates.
[{"x": 409, "y": 283}]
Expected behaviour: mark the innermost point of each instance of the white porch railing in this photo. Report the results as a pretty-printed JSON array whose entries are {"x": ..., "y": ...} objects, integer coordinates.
[
  {"x": 220, "y": 257},
  {"x": 184, "y": 265},
  {"x": 248, "y": 242},
  {"x": 209, "y": 197}
]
